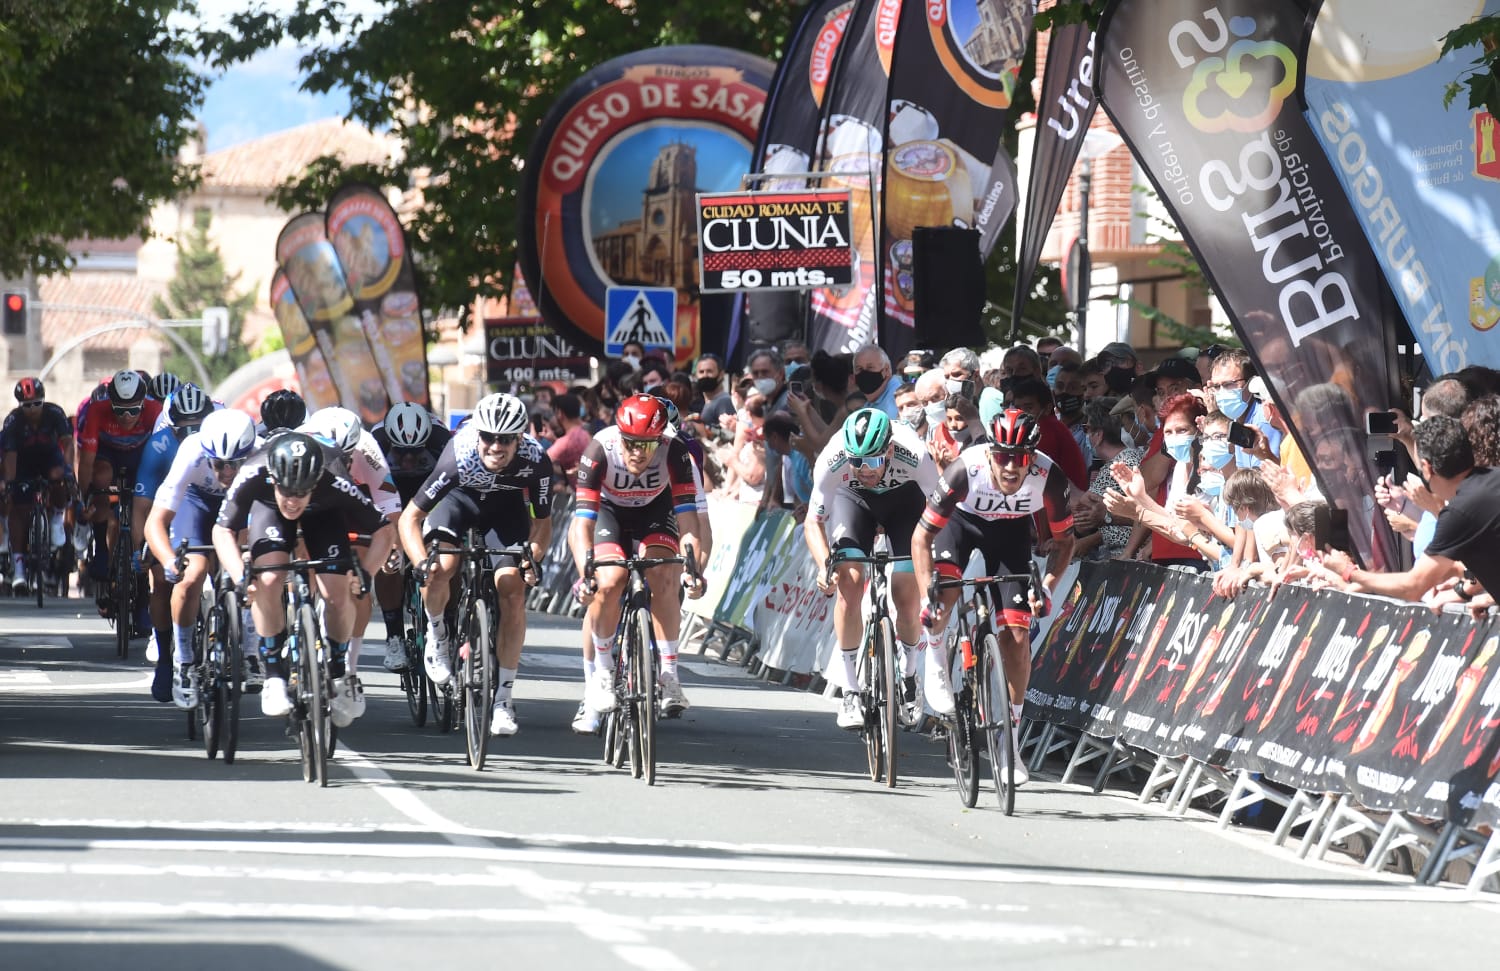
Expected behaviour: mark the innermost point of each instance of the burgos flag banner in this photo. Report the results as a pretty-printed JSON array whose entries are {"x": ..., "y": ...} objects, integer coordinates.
[
  {"x": 953, "y": 78},
  {"x": 611, "y": 182},
  {"x": 1425, "y": 182},
  {"x": 1205, "y": 94}
]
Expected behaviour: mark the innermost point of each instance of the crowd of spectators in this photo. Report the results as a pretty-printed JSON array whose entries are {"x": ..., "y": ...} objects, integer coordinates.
[{"x": 1188, "y": 463}]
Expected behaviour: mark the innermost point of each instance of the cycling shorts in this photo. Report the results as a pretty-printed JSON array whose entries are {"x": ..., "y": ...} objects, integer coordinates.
[
  {"x": 620, "y": 529},
  {"x": 503, "y": 518},
  {"x": 1005, "y": 547},
  {"x": 194, "y": 520},
  {"x": 854, "y": 517},
  {"x": 324, "y": 535}
]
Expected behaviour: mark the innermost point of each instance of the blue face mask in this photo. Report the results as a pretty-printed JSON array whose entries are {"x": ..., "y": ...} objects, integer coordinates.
[
  {"x": 1211, "y": 483},
  {"x": 1231, "y": 403},
  {"x": 1216, "y": 453},
  {"x": 1180, "y": 447},
  {"x": 1052, "y": 373}
]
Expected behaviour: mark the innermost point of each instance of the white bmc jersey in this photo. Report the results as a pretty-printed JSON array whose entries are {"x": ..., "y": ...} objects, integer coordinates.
[
  {"x": 910, "y": 462},
  {"x": 192, "y": 471}
]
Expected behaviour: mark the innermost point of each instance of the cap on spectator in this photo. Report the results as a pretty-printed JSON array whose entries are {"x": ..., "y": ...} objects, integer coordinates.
[
  {"x": 1125, "y": 406},
  {"x": 1176, "y": 367},
  {"x": 799, "y": 372},
  {"x": 1188, "y": 353},
  {"x": 1258, "y": 389},
  {"x": 1119, "y": 350}
]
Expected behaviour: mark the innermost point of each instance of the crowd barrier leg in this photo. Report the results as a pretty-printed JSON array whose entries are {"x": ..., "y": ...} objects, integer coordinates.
[
  {"x": 1344, "y": 821},
  {"x": 1165, "y": 776},
  {"x": 1246, "y": 791},
  {"x": 1455, "y": 842},
  {"x": 1305, "y": 809},
  {"x": 1090, "y": 749},
  {"x": 1031, "y": 731},
  {"x": 1122, "y": 758},
  {"x": 1401, "y": 832},
  {"x": 1054, "y": 739},
  {"x": 1201, "y": 780},
  {"x": 1488, "y": 863}
]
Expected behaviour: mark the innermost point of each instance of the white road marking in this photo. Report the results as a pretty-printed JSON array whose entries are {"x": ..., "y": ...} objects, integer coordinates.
[
  {"x": 34, "y": 639},
  {"x": 75, "y": 688}
]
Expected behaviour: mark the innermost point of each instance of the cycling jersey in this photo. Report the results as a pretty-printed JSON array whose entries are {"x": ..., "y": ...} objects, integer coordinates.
[
  {"x": 604, "y": 477},
  {"x": 969, "y": 487},
  {"x": 191, "y": 473},
  {"x": 38, "y": 446},
  {"x": 156, "y": 462},
  {"x": 411, "y": 467},
  {"x": 459, "y": 466},
  {"x": 834, "y": 473},
  {"x": 336, "y": 492},
  {"x": 103, "y": 430},
  {"x": 366, "y": 466}
]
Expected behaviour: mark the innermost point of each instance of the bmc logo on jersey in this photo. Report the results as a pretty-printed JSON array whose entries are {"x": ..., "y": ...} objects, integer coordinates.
[{"x": 437, "y": 486}]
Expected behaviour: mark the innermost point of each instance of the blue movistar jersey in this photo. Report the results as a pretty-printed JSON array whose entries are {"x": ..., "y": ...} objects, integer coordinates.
[{"x": 156, "y": 461}]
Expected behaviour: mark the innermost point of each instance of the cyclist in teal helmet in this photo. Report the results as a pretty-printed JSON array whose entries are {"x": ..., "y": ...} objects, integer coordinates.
[{"x": 873, "y": 476}]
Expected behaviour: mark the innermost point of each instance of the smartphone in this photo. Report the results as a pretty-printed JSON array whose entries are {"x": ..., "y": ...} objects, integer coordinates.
[
  {"x": 1241, "y": 435},
  {"x": 1380, "y": 423},
  {"x": 1385, "y": 461},
  {"x": 797, "y": 388},
  {"x": 1331, "y": 529}
]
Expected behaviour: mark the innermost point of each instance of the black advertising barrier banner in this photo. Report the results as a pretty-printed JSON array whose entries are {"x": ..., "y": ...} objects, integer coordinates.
[
  {"x": 850, "y": 148},
  {"x": 952, "y": 80},
  {"x": 788, "y": 142},
  {"x": 1205, "y": 92},
  {"x": 377, "y": 266},
  {"x": 1063, "y": 114},
  {"x": 608, "y": 192},
  {"x": 313, "y": 269},
  {"x": 1316, "y": 690}
]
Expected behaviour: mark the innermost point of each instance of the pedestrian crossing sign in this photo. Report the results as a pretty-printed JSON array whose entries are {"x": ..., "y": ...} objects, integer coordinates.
[{"x": 645, "y": 314}]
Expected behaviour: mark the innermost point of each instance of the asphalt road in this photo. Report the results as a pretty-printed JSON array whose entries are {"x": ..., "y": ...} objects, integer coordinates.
[{"x": 122, "y": 846}]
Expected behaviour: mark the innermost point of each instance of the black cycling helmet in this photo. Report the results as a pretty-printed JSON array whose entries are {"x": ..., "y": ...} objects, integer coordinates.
[
  {"x": 30, "y": 389},
  {"x": 295, "y": 462},
  {"x": 283, "y": 409}
]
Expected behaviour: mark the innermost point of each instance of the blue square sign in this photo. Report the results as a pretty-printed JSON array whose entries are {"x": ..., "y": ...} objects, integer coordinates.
[{"x": 645, "y": 314}]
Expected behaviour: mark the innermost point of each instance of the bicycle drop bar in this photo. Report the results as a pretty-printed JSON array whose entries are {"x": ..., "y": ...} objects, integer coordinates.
[
  {"x": 522, "y": 550},
  {"x": 297, "y": 566},
  {"x": 877, "y": 559},
  {"x": 686, "y": 558}
]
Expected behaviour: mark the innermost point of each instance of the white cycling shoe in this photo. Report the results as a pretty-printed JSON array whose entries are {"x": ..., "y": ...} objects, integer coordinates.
[{"x": 274, "y": 700}]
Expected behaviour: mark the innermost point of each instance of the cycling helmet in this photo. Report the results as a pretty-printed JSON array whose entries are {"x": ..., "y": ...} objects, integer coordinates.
[
  {"x": 283, "y": 409},
  {"x": 164, "y": 385},
  {"x": 866, "y": 432},
  {"x": 674, "y": 417},
  {"x": 500, "y": 414},
  {"x": 641, "y": 416},
  {"x": 295, "y": 462},
  {"x": 227, "y": 435},
  {"x": 408, "y": 425},
  {"x": 1015, "y": 430},
  {"x": 30, "y": 389},
  {"x": 339, "y": 427},
  {"x": 189, "y": 405},
  {"x": 126, "y": 389}
]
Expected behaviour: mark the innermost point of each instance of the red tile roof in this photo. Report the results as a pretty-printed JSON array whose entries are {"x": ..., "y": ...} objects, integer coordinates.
[
  {"x": 125, "y": 293},
  {"x": 264, "y": 163}
]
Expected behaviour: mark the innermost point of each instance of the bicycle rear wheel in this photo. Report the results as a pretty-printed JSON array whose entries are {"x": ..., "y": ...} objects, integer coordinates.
[
  {"x": 38, "y": 549},
  {"x": 869, "y": 677},
  {"x": 643, "y": 664},
  {"x": 994, "y": 717},
  {"x": 478, "y": 679},
  {"x": 963, "y": 744},
  {"x": 233, "y": 674},
  {"x": 122, "y": 580},
  {"x": 889, "y": 710}
]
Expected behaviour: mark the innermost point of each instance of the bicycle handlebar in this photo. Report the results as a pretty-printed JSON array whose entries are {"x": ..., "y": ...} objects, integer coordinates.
[
  {"x": 877, "y": 559},
  {"x": 297, "y": 566}
]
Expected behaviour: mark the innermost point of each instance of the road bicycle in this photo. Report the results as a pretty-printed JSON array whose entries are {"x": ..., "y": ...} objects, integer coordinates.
[
  {"x": 307, "y": 657},
  {"x": 470, "y": 694},
  {"x": 877, "y": 666},
  {"x": 981, "y": 720},
  {"x": 39, "y": 551},
  {"x": 220, "y": 661},
  {"x": 124, "y": 568},
  {"x": 415, "y": 684},
  {"x": 630, "y": 729}
]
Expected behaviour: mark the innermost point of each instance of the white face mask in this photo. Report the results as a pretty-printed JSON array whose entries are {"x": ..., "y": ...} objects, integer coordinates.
[
  {"x": 1127, "y": 439},
  {"x": 954, "y": 385},
  {"x": 765, "y": 386},
  {"x": 912, "y": 415},
  {"x": 936, "y": 412},
  {"x": 634, "y": 360}
]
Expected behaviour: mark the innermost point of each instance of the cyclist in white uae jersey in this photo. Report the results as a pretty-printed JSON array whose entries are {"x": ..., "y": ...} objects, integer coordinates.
[
  {"x": 986, "y": 500},
  {"x": 871, "y": 475},
  {"x": 493, "y": 476},
  {"x": 635, "y": 487}
]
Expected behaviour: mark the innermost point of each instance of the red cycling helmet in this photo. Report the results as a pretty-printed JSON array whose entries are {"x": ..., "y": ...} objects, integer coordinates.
[
  {"x": 641, "y": 416},
  {"x": 30, "y": 389},
  {"x": 1014, "y": 431}
]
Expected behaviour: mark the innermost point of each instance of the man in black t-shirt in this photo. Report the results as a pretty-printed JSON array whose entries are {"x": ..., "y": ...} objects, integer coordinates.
[{"x": 1468, "y": 528}]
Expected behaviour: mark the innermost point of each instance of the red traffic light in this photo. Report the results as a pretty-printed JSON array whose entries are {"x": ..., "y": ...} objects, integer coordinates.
[
  {"x": 15, "y": 302},
  {"x": 13, "y": 310}
]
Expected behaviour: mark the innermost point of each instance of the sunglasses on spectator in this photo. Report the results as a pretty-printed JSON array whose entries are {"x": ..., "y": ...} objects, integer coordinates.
[
  {"x": 639, "y": 444},
  {"x": 1011, "y": 456},
  {"x": 127, "y": 411},
  {"x": 491, "y": 438},
  {"x": 867, "y": 461}
]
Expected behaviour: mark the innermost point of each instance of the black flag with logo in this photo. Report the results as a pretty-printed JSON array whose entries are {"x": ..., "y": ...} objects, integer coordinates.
[
  {"x": 1205, "y": 92},
  {"x": 1063, "y": 114}
]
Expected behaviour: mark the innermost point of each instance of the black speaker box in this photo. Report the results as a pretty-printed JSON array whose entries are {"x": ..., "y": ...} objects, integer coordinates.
[{"x": 948, "y": 287}]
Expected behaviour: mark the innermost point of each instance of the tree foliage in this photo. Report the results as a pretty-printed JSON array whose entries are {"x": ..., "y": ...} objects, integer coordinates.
[
  {"x": 203, "y": 282},
  {"x": 1483, "y": 81},
  {"x": 96, "y": 97}
]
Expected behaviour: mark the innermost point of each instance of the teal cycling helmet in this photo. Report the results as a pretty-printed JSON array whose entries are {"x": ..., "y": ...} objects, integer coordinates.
[{"x": 866, "y": 432}]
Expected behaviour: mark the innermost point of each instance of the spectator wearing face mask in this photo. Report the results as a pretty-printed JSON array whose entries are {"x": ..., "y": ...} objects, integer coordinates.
[
  {"x": 1067, "y": 393},
  {"x": 873, "y": 378},
  {"x": 1230, "y": 387},
  {"x": 794, "y": 352},
  {"x": 1094, "y": 386},
  {"x": 1254, "y": 505},
  {"x": 1102, "y": 535},
  {"x": 1018, "y": 364},
  {"x": 909, "y": 410},
  {"x": 632, "y": 353},
  {"x": 1032, "y": 396},
  {"x": 709, "y": 395},
  {"x": 960, "y": 368},
  {"x": 1178, "y": 449}
]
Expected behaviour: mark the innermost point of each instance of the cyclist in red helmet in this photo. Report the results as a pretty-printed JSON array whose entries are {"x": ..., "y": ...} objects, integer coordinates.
[
  {"x": 37, "y": 442},
  {"x": 985, "y": 501},
  {"x": 635, "y": 490}
]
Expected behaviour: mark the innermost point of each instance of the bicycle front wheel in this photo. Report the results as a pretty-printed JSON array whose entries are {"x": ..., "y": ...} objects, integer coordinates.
[
  {"x": 889, "y": 709},
  {"x": 123, "y": 582},
  {"x": 414, "y": 677},
  {"x": 233, "y": 675},
  {"x": 994, "y": 716},
  {"x": 314, "y": 694},
  {"x": 478, "y": 682},
  {"x": 39, "y": 549},
  {"x": 963, "y": 741},
  {"x": 868, "y": 678},
  {"x": 643, "y": 674}
]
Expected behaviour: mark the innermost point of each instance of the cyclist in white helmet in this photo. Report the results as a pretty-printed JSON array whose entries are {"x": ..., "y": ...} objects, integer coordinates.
[{"x": 495, "y": 476}]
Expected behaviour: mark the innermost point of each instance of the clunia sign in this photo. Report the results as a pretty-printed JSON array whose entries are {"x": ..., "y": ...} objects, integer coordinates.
[{"x": 774, "y": 240}]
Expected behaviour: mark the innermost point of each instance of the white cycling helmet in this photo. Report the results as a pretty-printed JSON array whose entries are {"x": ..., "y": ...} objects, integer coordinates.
[
  {"x": 408, "y": 425},
  {"x": 500, "y": 414},
  {"x": 339, "y": 427},
  {"x": 126, "y": 389},
  {"x": 227, "y": 435}
]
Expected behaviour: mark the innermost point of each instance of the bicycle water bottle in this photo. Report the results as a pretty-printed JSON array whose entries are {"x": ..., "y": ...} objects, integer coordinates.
[{"x": 967, "y": 647}]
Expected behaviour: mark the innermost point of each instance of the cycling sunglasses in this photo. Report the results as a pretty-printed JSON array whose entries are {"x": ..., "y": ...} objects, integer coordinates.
[
  {"x": 1012, "y": 456},
  {"x": 219, "y": 465},
  {"x": 32, "y": 404},
  {"x": 867, "y": 461},
  {"x": 639, "y": 444},
  {"x": 492, "y": 438},
  {"x": 127, "y": 411},
  {"x": 289, "y": 494}
]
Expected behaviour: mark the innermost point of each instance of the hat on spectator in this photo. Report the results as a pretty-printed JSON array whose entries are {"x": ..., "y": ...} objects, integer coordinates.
[
  {"x": 1119, "y": 350},
  {"x": 1125, "y": 406},
  {"x": 1188, "y": 353},
  {"x": 1176, "y": 367},
  {"x": 1258, "y": 389}
]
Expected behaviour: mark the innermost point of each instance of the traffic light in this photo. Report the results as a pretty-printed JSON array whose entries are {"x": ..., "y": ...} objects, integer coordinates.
[{"x": 14, "y": 304}]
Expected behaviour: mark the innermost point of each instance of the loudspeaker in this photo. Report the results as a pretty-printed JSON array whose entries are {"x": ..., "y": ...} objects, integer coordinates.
[{"x": 948, "y": 285}]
